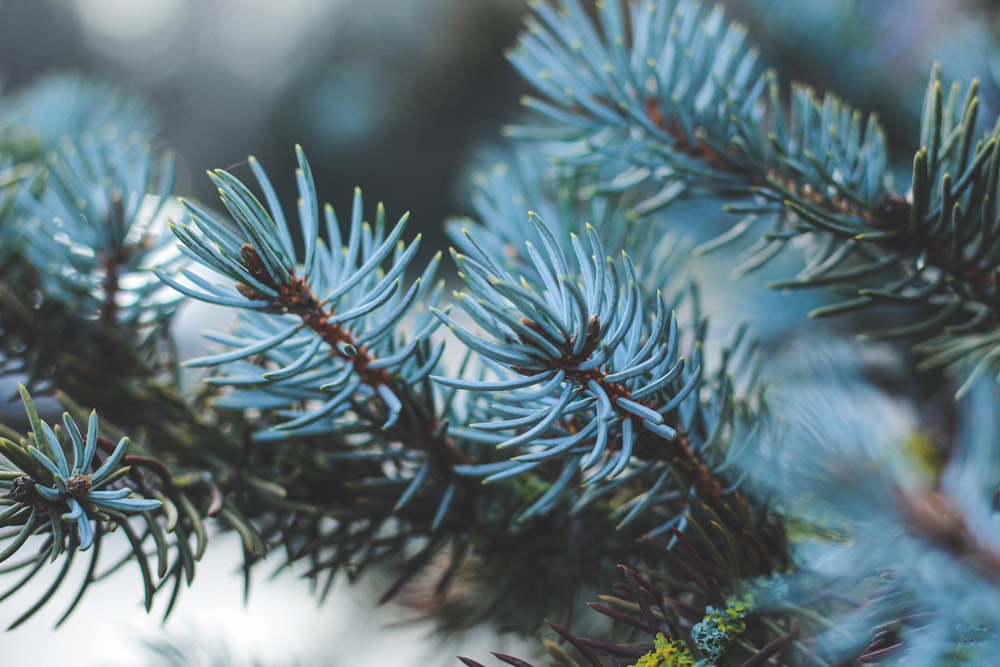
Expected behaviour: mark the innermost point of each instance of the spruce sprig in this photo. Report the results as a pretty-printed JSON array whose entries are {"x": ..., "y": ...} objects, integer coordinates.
[
  {"x": 327, "y": 318},
  {"x": 674, "y": 92},
  {"x": 92, "y": 233},
  {"x": 587, "y": 375},
  {"x": 57, "y": 506},
  {"x": 317, "y": 355},
  {"x": 318, "y": 349}
]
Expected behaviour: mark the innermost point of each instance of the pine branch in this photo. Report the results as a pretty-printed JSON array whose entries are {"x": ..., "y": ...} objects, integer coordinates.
[
  {"x": 67, "y": 506},
  {"x": 586, "y": 382},
  {"x": 675, "y": 92},
  {"x": 305, "y": 331},
  {"x": 589, "y": 410}
]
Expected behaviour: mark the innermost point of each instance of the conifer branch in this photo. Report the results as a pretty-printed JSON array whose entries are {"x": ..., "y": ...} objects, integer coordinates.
[
  {"x": 591, "y": 408},
  {"x": 674, "y": 92}
]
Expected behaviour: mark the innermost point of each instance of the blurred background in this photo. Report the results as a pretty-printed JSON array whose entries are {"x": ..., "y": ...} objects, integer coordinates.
[{"x": 400, "y": 97}]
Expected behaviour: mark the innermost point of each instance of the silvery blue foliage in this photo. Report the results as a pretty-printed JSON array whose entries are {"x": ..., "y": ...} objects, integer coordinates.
[
  {"x": 43, "y": 486},
  {"x": 675, "y": 91},
  {"x": 321, "y": 323},
  {"x": 62, "y": 507},
  {"x": 590, "y": 407},
  {"x": 568, "y": 197},
  {"x": 62, "y": 106},
  {"x": 97, "y": 227},
  {"x": 562, "y": 338},
  {"x": 562, "y": 195},
  {"x": 683, "y": 98},
  {"x": 916, "y": 548},
  {"x": 86, "y": 198},
  {"x": 587, "y": 371}
]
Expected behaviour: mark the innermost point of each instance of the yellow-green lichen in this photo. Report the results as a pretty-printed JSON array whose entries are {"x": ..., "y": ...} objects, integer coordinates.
[{"x": 667, "y": 653}]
